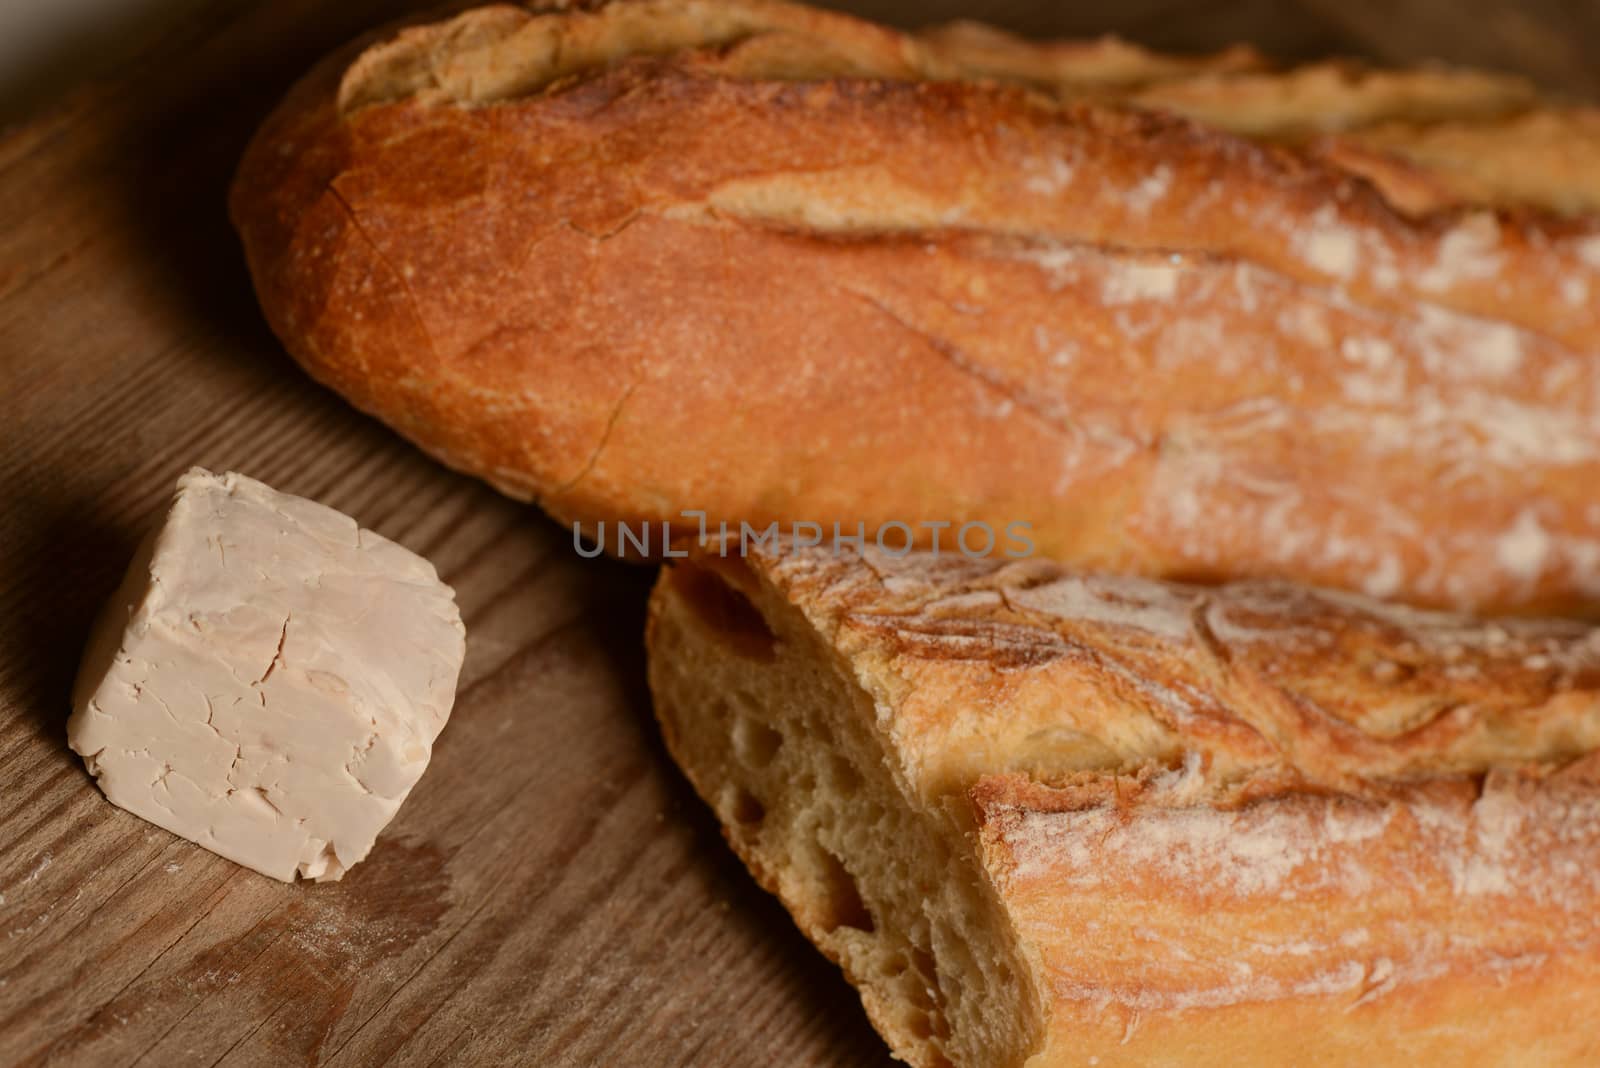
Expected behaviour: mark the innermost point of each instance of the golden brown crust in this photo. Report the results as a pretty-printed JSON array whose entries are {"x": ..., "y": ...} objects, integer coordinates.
[
  {"x": 1547, "y": 156},
  {"x": 1263, "y": 682},
  {"x": 789, "y": 276},
  {"x": 1252, "y": 824},
  {"x": 1448, "y": 922}
]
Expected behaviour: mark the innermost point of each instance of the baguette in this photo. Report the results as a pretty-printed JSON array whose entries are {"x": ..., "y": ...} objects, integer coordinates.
[
  {"x": 1048, "y": 818},
  {"x": 1187, "y": 318}
]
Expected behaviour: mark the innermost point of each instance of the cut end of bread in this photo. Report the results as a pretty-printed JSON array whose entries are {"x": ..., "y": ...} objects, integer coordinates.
[
  {"x": 780, "y": 738},
  {"x": 1040, "y": 817}
]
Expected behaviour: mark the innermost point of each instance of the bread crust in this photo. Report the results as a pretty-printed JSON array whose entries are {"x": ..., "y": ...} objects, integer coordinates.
[
  {"x": 1253, "y": 824},
  {"x": 1448, "y": 923},
  {"x": 815, "y": 270}
]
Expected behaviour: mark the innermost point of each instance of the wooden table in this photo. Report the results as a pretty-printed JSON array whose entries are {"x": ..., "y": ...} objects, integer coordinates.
[{"x": 552, "y": 893}]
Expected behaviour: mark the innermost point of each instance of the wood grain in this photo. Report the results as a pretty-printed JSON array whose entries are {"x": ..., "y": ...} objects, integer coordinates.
[{"x": 552, "y": 894}]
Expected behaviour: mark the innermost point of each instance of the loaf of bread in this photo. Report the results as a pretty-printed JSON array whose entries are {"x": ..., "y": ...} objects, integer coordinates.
[
  {"x": 1050, "y": 818},
  {"x": 1194, "y": 319}
]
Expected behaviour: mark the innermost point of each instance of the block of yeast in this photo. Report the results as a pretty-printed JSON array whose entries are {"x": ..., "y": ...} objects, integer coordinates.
[{"x": 269, "y": 679}]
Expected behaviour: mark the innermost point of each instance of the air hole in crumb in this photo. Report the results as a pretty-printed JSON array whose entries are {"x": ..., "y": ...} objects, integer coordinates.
[
  {"x": 724, "y": 610},
  {"x": 925, "y": 1026},
  {"x": 755, "y": 743},
  {"x": 842, "y": 900},
  {"x": 846, "y": 779},
  {"x": 746, "y": 809},
  {"x": 923, "y": 962}
]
